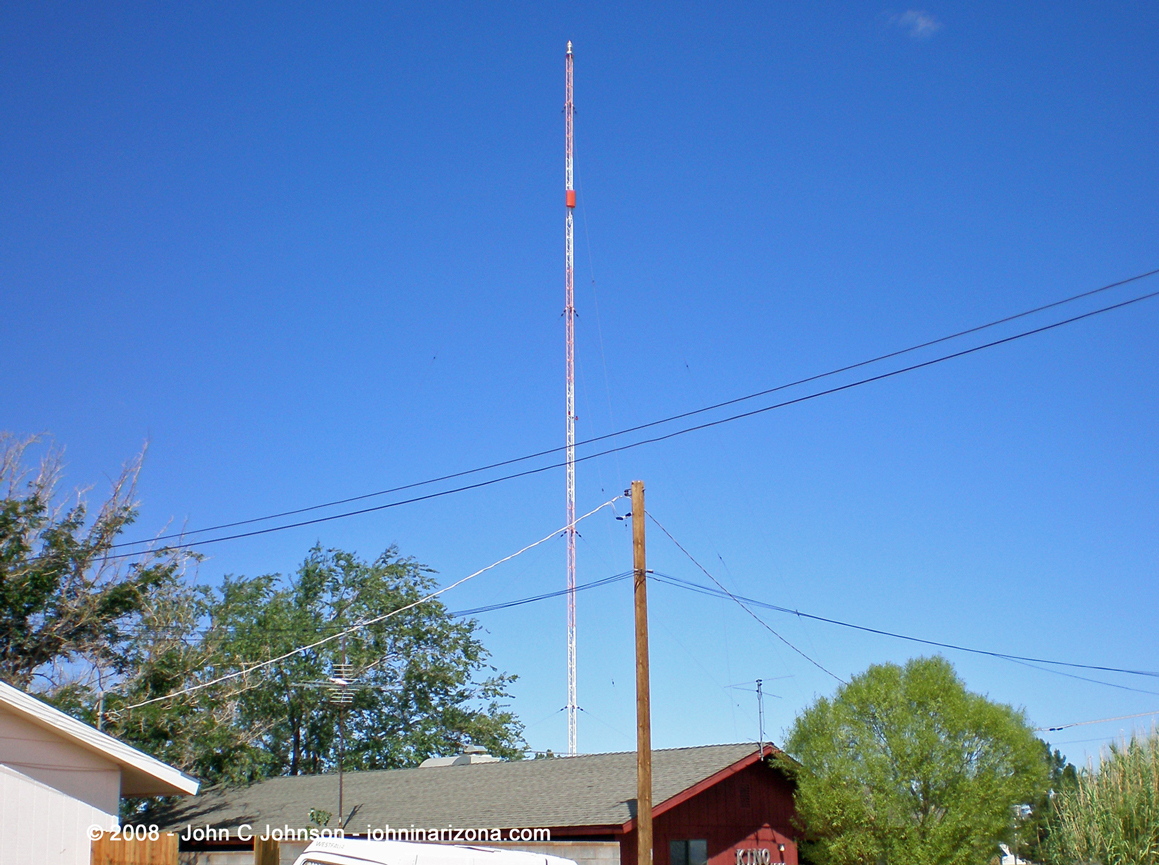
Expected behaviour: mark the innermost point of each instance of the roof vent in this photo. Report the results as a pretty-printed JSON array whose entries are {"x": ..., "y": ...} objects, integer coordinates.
[{"x": 471, "y": 754}]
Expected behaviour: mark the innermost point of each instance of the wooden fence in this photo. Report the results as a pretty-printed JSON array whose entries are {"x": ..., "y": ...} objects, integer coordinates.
[
  {"x": 107, "y": 850},
  {"x": 163, "y": 851}
]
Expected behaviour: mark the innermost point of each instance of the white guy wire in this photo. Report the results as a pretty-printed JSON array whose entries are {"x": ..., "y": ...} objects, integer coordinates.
[
  {"x": 359, "y": 626},
  {"x": 741, "y": 603}
]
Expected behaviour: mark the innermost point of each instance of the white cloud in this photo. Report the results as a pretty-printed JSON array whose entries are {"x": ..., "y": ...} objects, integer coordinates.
[{"x": 920, "y": 24}]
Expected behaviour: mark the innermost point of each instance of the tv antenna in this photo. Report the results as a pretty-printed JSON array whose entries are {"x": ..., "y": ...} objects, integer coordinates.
[
  {"x": 760, "y": 692},
  {"x": 340, "y": 687}
]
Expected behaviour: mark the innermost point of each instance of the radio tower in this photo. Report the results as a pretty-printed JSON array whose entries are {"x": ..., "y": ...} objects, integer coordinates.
[{"x": 569, "y": 322}]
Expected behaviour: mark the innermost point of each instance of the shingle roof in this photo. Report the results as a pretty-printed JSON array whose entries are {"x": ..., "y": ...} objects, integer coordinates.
[{"x": 589, "y": 790}]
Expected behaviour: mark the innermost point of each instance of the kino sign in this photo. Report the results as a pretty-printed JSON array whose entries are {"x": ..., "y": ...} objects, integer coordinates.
[{"x": 754, "y": 856}]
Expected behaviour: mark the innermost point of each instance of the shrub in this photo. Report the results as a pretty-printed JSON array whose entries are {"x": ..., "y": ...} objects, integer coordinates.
[{"x": 1112, "y": 815}]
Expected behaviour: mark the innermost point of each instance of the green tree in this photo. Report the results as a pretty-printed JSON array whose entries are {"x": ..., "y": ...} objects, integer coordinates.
[
  {"x": 904, "y": 765},
  {"x": 1111, "y": 815},
  {"x": 421, "y": 684},
  {"x": 199, "y": 733}
]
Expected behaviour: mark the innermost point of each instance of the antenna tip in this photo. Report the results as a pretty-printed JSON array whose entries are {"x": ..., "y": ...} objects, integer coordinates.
[{"x": 569, "y": 46}]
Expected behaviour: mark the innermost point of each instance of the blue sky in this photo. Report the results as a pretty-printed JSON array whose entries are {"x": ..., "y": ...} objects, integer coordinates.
[{"x": 314, "y": 250}]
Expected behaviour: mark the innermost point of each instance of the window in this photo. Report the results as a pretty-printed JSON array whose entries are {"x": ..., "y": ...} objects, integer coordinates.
[{"x": 694, "y": 852}]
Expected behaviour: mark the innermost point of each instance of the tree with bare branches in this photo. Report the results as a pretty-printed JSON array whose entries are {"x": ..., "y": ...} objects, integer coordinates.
[
  {"x": 68, "y": 602},
  {"x": 125, "y": 643}
]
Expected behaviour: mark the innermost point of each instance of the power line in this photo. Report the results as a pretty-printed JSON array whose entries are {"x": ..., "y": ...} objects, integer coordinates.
[
  {"x": 708, "y": 590},
  {"x": 356, "y": 627},
  {"x": 654, "y": 439},
  {"x": 741, "y": 604},
  {"x": 1080, "y": 741},
  {"x": 506, "y": 605},
  {"x": 1080, "y": 678},
  {"x": 1098, "y": 721},
  {"x": 191, "y": 544},
  {"x": 880, "y": 377},
  {"x": 502, "y": 605},
  {"x": 669, "y": 419},
  {"x": 647, "y": 441}
]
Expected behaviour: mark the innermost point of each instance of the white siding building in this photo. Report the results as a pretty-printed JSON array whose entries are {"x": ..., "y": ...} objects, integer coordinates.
[{"x": 59, "y": 777}]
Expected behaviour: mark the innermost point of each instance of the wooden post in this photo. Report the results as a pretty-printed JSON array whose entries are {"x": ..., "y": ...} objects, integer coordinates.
[
  {"x": 643, "y": 698},
  {"x": 266, "y": 851}
]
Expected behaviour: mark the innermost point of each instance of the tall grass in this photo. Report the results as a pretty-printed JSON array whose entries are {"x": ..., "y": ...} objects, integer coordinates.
[{"x": 1112, "y": 815}]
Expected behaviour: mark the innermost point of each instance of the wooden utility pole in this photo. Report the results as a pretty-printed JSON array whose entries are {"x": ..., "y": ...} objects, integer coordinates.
[{"x": 643, "y": 698}]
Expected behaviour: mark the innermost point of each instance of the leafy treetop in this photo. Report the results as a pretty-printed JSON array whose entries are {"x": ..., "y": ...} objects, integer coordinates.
[{"x": 904, "y": 765}]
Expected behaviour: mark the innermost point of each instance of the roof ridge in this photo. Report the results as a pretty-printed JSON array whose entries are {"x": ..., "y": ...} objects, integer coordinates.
[
  {"x": 753, "y": 745},
  {"x": 596, "y": 791},
  {"x": 532, "y": 761}
]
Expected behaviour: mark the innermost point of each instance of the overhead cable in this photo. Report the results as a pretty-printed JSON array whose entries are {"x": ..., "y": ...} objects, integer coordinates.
[
  {"x": 360, "y": 625},
  {"x": 741, "y": 604},
  {"x": 474, "y": 611},
  {"x": 1079, "y": 678},
  {"x": 1098, "y": 721},
  {"x": 708, "y": 590},
  {"x": 708, "y": 424},
  {"x": 653, "y": 440},
  {"x": 506, "y": 605},
  {"x": 665, "y": 420}
]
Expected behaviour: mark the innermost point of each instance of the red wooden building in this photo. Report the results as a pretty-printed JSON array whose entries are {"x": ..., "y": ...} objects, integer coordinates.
[
  {"x": 742, "y": 814},
  {"x": 712, "y": 805}
]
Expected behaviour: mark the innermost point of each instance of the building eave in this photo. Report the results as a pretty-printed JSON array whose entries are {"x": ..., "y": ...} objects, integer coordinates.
[
  {"x": 711, "y": 781},
  {"x": 141, "y": 775}
]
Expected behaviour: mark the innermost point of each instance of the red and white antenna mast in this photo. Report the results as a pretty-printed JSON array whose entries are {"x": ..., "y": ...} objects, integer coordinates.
[{"x": 569, "y": 321}]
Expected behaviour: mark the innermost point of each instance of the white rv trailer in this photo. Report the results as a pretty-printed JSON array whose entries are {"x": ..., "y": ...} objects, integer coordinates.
[{"x": 354, "y": 851}]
